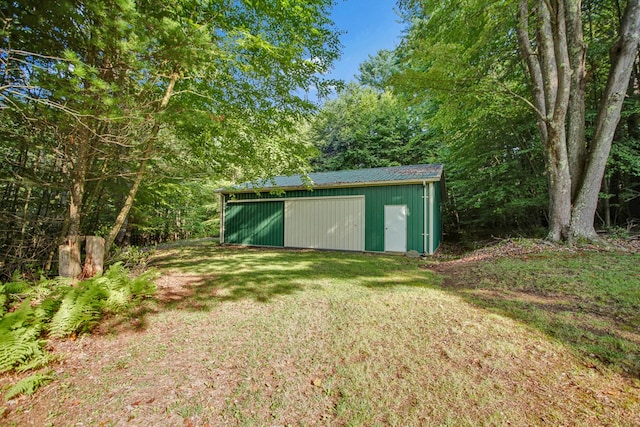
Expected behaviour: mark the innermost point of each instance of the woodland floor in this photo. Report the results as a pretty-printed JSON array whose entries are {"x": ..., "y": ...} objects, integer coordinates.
[{"x": 265, "y": 337}]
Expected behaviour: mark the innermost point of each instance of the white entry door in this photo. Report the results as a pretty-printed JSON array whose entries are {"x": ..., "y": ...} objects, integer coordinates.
[{"x": 395, "y": 228}]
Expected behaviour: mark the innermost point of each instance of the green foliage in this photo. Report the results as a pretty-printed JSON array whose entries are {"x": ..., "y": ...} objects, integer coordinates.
[
  {"x": 21, "y": 345},
  {"x": 12, "y": 292},
  {"x": 30, "y": 384},
  {"x": 495, "y": 177},
  {"x": 377, "y": 70},
  {"x": 172, "y": 210},
  {"x": 40, "y": 293},
  {"x": 80, "y": 310},
  {"x": 133, "y": 257},
  {"x": 464, "y": 62},
  {"x": 60, "y": 309},
  {"x": 83, "y": 306},
  {"x": 366, "y": 128},
  {"x": 122, "y": 290},
  {"x": 179, "y": 92}
]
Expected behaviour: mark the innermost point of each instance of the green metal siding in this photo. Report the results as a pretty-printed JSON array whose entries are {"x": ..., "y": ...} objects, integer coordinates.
[
  {"x": 375, "y": 200},
  {"x": 257, "y": 224},
  {"x": 437, "y": 216}
]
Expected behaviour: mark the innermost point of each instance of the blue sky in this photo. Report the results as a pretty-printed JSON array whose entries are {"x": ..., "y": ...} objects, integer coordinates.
[{"x": 370, "y": 25}]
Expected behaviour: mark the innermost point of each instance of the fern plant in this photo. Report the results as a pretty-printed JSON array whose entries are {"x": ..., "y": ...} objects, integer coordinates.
[
  {"x": 21, "y": 346},
  {"x": 80, "y": 310},
  {"x": 30, "y": 384},
  {"x": 116, "y": 281},
  {"x": 143, "y": 286},
  {"x": 29, "y": 311},
  {"x": 11, "y": 293}
]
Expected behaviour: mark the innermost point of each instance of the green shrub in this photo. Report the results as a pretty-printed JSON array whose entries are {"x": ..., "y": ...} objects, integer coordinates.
[
  {"x": 80, "y": 310},
  {"x": 83, "y": 307},
  {"x": 12, "y": 292},
  {"x": 21, "y": 345}
]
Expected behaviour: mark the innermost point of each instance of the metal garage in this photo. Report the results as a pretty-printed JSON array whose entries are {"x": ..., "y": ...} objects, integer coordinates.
[{"x": 393, "y": 209}]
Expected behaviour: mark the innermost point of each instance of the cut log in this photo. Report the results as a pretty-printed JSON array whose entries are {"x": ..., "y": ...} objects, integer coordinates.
[
  {"x": 94, "y": 261},
  {"x": 69, "y": 260}
]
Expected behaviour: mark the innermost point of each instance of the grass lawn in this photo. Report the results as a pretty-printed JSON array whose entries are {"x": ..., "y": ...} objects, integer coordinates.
[
  {"x": 588, "y": 300},
  {"x": 267, "y": 337}
]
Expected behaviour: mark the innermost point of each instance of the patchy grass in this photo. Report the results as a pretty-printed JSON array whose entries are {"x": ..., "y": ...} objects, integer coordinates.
[
  {"x": 268, "y": 337},
  {"x": 589, "y": 300}
]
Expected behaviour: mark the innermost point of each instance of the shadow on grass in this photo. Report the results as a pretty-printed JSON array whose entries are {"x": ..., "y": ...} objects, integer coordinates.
[
  {"x": 200, "y": 276},
  {"x": 599, "y": 329},
  {"x": 134, "y": 319}
]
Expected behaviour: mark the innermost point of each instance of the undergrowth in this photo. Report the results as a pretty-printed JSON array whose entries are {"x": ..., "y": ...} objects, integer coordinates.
[
  {"x": 57, "y": 308},
  {"x": 134, "y": 258}
]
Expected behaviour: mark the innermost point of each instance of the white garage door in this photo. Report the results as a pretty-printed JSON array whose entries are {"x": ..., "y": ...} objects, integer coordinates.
[{"x": 325, "y": 223}]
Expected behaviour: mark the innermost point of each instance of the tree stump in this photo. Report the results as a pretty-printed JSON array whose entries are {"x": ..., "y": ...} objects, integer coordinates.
[
  {"x": 69, "y": 257},
  {"x": 94, "y": 261}
]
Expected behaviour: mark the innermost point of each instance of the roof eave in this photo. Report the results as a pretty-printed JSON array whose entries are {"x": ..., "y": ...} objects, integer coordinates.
[{"x": 333, "y": 185}]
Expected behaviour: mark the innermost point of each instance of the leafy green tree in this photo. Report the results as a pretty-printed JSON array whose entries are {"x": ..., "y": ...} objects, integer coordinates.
[
  {"x": 458, "y": 54},
  {"x": 364, "y": 128},
  {"x": 556, "y": 63},
  {"x": 173, "y": 210},
  {"x": 456, "y": 62},
  {"x": 114, "y": 84},
  {"x": 377, "y": 70}
]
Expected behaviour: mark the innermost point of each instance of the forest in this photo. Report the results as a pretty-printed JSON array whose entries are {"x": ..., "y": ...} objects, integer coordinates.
[{"x": 120, "y": 118}]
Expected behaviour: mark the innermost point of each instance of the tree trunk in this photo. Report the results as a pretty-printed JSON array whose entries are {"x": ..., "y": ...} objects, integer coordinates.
[
  {"x": 557, "y": 73},
  {"x": 128, "y": 203},
  {"x": 576, "y": 143},
  {"x": 533, "y": 66},
  {"x": 70, "y": 255},
  {"x": 79, "y": 175},
  {"x": 551, "y": 82},
  {"x": 559, "y": 186},
  {"x": 623, "y": 54}
]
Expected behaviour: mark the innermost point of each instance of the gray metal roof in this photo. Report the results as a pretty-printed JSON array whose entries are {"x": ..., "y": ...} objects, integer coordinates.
[{"x": 392, "y": 175}]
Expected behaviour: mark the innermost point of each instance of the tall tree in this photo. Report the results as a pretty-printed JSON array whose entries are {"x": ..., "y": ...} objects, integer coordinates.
[
  {"x": 462, "y": 62},
  {"x": 365, "y": 127},
  {"x": 120, "y": 80},
  {"x": 377, "y": 70},
  {"x": 465, "y": 52},
  {"x": 556, "y": 64}
]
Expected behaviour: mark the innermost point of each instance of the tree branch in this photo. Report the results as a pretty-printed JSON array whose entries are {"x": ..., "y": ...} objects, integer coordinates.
[{"x": 533, "y": 66}]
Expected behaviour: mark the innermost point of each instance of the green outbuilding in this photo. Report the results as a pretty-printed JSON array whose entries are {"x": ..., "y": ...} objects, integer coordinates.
[{"x": 392, "y": 209}]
